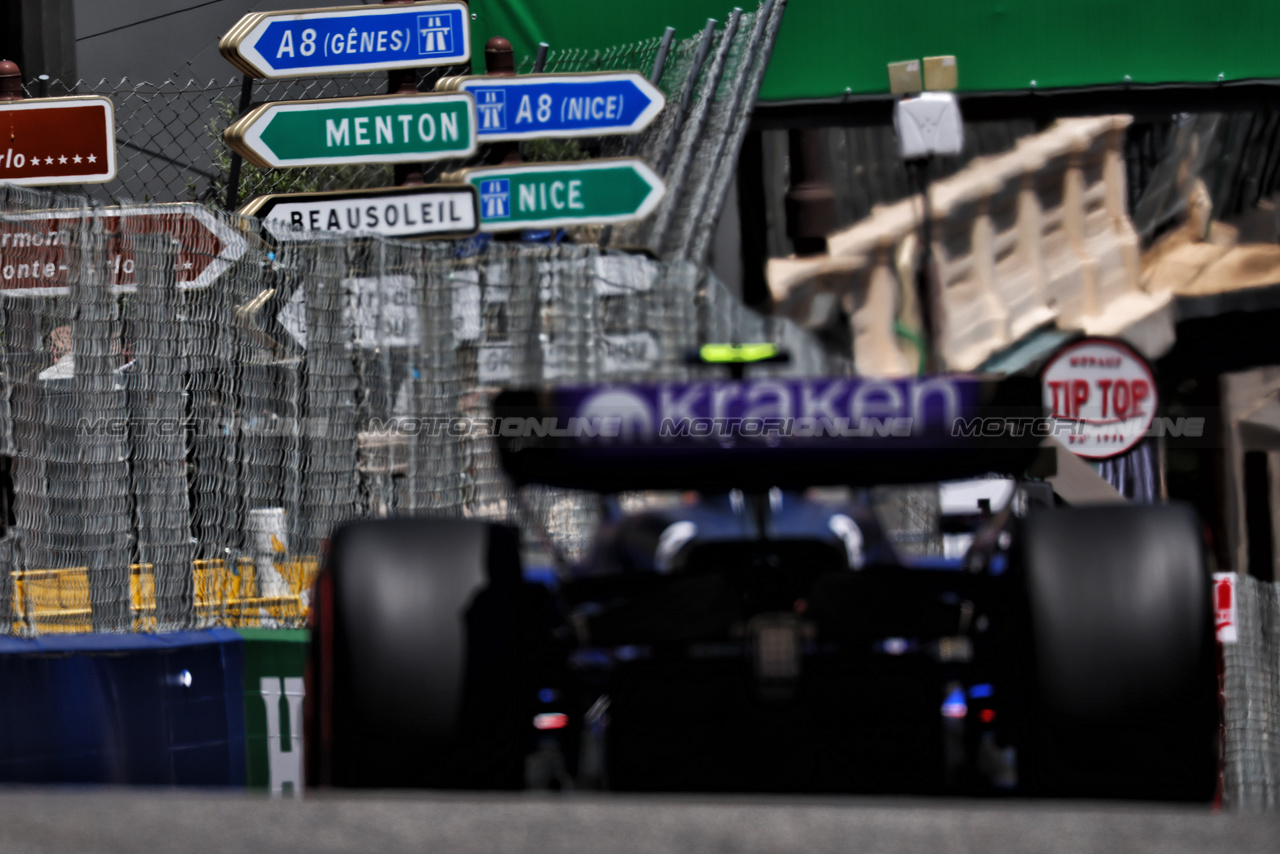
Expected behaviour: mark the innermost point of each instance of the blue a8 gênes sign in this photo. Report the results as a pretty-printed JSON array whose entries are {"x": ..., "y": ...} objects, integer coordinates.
[
  {"x": 349, "y": 38},
  {"x": 560, "y": 105}
]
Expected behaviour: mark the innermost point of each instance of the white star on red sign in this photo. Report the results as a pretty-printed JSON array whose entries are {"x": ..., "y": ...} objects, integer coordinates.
[{"x": 49, "y": 160}]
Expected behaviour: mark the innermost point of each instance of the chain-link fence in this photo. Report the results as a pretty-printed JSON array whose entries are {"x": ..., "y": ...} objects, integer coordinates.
[
  {"x": 710, "y": 82},
  {"x": 1251, "y": 760},
  {"x": 190, "y": 410},
  {"x": 170, "y": 146},
  {"x": 1235, "y": 155},
  {"x": 182, "y": 443}
]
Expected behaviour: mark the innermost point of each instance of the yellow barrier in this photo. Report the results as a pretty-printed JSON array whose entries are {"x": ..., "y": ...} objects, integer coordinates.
[{"x": 56, "y": 601}]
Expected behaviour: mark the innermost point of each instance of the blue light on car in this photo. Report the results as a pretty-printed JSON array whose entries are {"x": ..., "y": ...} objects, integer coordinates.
[
  {"x": 548, "y": 695},
  {"x": 977, "y": 692},
  {"x": 590, "y": 658},
  {"x": 954, "y": 706},
  {"x": 544, "y": 575},
  {"x": 630, "y": 653}
]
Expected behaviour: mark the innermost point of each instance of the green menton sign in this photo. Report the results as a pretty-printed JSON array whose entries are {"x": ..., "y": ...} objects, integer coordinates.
[
  {"x": 386, "y": 129},
  {"x": 550, "y": 195}
]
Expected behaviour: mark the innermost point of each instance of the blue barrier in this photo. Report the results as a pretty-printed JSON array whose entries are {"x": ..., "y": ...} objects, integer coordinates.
[{"x": 132, "y": 708}]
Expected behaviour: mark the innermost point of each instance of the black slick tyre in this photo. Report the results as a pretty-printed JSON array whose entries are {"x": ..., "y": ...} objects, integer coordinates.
[
  {"x": 415, "y": 678},
  {"x": 1120, "y": 695}
]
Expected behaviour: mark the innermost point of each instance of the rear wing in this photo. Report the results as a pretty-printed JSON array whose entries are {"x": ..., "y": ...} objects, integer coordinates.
[{"x": 753, "y": 434}]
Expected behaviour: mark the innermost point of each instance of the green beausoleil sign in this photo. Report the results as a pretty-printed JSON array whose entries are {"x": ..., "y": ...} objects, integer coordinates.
[
  {"x": 551, "y": 195},
  {"x": 332, "y": 131}
]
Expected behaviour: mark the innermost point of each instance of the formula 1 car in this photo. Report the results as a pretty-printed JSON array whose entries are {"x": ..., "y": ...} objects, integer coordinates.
[{"x": 753, "y": 637}]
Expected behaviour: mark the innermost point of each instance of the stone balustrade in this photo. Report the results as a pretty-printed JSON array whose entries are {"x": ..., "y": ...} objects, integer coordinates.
[{"x": 1039, "y": 235}]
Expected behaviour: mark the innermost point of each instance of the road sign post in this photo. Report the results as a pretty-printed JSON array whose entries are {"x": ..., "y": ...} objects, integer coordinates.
[
  {"x": 36, "y": 248},
  {"x": 559, "y": 105},
  {"x": 334, "y": 131},
  {"x": 349, "y": 39},
  {"x": 57, "y": 141},
  {"x": 553, "y": 195},
  {"x": 424, "y": 210}
]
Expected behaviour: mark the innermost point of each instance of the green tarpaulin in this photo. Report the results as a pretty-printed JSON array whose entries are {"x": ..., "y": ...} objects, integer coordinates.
[{"x": 830, "y": 48}]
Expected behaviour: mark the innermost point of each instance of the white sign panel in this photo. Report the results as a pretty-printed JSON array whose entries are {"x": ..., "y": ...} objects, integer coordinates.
[
  {"x": 382, "y": 311},
  {"x": 293, "y": 317},
  {"x": 466, "y": 306},
  {"x": 631, "y": 351},
  {"x": 493, "y": 363},
  {"x": 1101, "y": 397},
  {"x": 413, "y": 214},
  {"x": 624, "y": 275}
]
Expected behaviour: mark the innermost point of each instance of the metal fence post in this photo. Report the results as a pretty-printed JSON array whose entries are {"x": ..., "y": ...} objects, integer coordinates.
[
  {"x": 233, "y": 180},
  {"x": 659, "y": 63},
  {"x": 10, "y": 81}
]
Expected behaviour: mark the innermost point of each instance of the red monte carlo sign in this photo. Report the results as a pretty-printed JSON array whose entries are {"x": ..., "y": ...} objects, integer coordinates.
[
  {"x": 35, "y": 248},
  {"x": 1101, "y": 397},
  {"x": 58, "y": 141}
]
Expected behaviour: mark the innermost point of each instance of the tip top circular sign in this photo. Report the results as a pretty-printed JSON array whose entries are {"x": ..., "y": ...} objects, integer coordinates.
[{"x": 1100, "y": 396}]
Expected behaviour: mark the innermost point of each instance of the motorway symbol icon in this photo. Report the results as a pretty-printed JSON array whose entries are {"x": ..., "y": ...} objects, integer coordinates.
[
  {"x": 58, "y": 141},
  {"x": 381, "y": 129},
  {"x": 428, "y": 210},
  {"x": 559, "y": 105},
  {"x": 349, "y": 39},
  {"x": 551, "y": 195}
]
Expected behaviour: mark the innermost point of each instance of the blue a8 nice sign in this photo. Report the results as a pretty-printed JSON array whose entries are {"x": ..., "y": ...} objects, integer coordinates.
[
  {"x": 377, "y": 37},
  {"x": 562, "y": 105}
]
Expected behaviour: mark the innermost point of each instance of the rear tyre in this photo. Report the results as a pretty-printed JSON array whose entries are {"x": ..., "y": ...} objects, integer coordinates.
[
  {"x": 416, "y": 676},
  {"x": 1122, "y": 699}
]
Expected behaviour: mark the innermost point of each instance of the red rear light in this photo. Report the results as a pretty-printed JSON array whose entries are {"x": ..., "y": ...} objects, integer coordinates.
[{"x": 550, "y": 720}]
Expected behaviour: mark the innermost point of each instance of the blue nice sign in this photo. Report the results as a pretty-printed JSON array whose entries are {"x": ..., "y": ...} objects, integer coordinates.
[{"x": 375, "y": 38}]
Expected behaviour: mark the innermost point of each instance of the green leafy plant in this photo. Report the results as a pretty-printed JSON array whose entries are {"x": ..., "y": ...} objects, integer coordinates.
[
  {"x": 257, "y": 181},
  {"x": 552, "y": 150}
]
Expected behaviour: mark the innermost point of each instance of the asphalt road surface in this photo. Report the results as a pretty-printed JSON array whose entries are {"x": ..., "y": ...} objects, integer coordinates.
[{"x": 142, "y": 820}]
